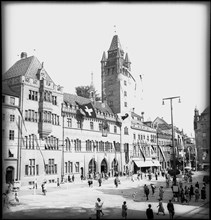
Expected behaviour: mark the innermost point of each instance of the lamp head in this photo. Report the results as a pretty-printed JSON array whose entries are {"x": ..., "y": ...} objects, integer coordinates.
[{"x": 179, "y": 100}]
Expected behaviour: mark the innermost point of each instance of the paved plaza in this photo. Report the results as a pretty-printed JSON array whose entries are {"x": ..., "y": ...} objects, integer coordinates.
[{"x": 76, "y": 201}]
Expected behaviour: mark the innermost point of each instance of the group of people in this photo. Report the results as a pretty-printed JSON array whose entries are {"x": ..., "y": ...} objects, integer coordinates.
[
  {"x": 170, "y": 208},
  {"x": 186, "y": 193}
]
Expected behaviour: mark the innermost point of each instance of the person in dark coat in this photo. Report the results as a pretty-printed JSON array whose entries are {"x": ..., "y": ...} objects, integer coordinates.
[
  {"x": 191, "y": 193},
  {"x": 197, "y": 185},
  {"x": 149, "y": 212},
  {"x": 203, "y": 193},
  {"x": 170, "y": 207},
  {"x": 146, "y": 191},
  {"x": 99, "y": 181}
]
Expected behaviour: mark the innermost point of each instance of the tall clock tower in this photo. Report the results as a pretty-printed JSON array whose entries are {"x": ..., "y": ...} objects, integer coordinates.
[{"x": 118, "y": 85}]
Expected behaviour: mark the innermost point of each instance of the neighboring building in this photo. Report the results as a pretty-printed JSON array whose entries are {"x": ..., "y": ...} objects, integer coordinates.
[
  {"x": 40, "y": 105},
  {"x": 164, "y": 142},
  {"x": 10, "y": 134},
  {"x": 202, "y": 137}
]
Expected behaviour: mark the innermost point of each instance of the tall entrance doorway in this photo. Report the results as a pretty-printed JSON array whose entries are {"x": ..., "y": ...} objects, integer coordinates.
[
  {"x": 9, "y": 174},
  {"x": 104, "y": 166}
]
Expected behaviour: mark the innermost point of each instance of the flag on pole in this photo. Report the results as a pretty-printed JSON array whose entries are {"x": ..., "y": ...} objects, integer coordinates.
[
  {"x": 20, "y": 113},
  {"x": 38, "y": 147},
  {"x": 88, "y": 109},
  {"x": 125, "y": 116}
]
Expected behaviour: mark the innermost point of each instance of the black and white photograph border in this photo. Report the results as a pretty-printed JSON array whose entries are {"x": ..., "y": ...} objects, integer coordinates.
[{"x": 105, "y": 110}]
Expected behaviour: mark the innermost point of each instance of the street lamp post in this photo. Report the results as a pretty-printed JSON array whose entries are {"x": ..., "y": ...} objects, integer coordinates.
[{"x": 174, "y": 159}]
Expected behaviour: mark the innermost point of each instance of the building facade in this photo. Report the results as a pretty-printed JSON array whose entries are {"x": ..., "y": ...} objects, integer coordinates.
[
  {"x": 202, "y": 137},
  {"x": 10, "y": 134}
]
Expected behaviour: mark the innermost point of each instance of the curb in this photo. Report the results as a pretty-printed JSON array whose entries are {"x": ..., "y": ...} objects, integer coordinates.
[{"x": 179, "y": 216}]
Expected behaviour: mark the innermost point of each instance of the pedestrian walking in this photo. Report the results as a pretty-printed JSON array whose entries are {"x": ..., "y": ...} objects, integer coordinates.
[
  {"x": 197, "y": 194},
  {"x": 81, "y": 177},
  {"x": 197, "y": 185},
  {"x": 116, "y": 181},
  {"x": 203, "y": 193},
  {"x": 98, "y": 207},
  {"x": 170, "y": 207},
  {"x": 16, "y": 196},
  {"x": 99, "y": 181},
  {"x": 124, "y": 210},
  {"x": 153, "y": 188},
  {"x": 156, "y": 175},
  {"x": 35, "y": 184},
  {"x": 44, "y": 188},
  {"x": 58, "y": 183},
  {"x": 160, "y": 207},
  {"x": 146, "y": 191},
  {"x": 161, "y": 192},
  {"x": 6, "y": 200},
  {"x": 141, "y": 175},
  {"x": 191, "y": 193},
  {"x": 90, "y": 182},
  {"x": 149, "y": 212},
  {"x": 73, "y": 178}
]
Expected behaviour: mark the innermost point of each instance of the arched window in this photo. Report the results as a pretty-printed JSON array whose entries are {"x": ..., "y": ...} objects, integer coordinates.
[
  {"x": 67, "y": 144},
  {"x": 125, "y": 130}
]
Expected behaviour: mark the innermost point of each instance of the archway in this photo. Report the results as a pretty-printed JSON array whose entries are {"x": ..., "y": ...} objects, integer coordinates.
[
  {"x": 92, "y": 166},
  {"x": 9, "y": 174},
  {"x": 104, "y": 166}
]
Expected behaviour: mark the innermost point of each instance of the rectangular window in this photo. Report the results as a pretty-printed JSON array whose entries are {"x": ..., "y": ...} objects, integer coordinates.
[
  {"x": 77, "y": 167},
  {"x": 37, "y": 169},
  {"x": 79, "y": 124},
  {"x": 125, "y": 82},
  {"x": 26, "y": 115},
  {"x": 125, "y": 104},
  {"x": 36, "y": 96},
  {"x": 3, "y": 117},
  {"x": 125, "y": 93},
  {"x": 3, "y": 99},
  {"x": 91, "y": 125},
  {"x": 12, "y": 100},
  {"x": 100, "y": 127},
  {"x": 115, "y": 129},
  {"x": 54, "y": 100},
  {"x": 30, "y": 94},
  {"x": 134, "y": 136},
  {"x": 65, "y": 167},
  {"x": 11, "y": 135},
  {"x": 26, "y": 170},
  {"x": 57, "y": 120},
  {"x": 69, "y": 122}
]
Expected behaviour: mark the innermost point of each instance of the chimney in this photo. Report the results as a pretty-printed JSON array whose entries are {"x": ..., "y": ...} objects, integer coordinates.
[
  {"x": 142, "y": 114},
  {"x": 23, "y": 55}
]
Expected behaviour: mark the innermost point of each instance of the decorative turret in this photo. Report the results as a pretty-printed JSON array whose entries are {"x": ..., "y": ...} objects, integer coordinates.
[
  {"x": 127, "y": 62},
  {"x": 92, "y": 95},
  {"x": 196, "y": 118}
]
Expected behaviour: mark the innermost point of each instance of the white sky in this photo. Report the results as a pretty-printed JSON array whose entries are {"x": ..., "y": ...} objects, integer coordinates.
[{"x": 166, "y": 43}]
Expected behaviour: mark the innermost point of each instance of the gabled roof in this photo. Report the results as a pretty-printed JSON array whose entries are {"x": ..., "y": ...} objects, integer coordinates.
[
  {"x": 115, "y": 44},
  {"x": 71, "y": 99},
  {"x": 28, "y": 67},
  {"x": 7, "y": 91}
]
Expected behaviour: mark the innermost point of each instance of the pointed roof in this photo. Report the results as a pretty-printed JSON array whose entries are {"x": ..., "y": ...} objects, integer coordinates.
[
  {"x": 71, "y": 99},
  {"x": 127, "y": 60},
  {"x": 115, "y": 44},
  {"x": 8, "y": 91},
  {"x": 28, "y": 67},
  {"x": 103, "y": 57}
]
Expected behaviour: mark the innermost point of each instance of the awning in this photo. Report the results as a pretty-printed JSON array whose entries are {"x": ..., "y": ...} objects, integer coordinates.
[
  {"x": 141, "y": 163},
  {"x": 156, "y": 163}
]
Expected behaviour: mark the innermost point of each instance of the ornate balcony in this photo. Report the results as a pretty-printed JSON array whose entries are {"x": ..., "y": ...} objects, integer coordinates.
[{"x": 44, "y": 129}]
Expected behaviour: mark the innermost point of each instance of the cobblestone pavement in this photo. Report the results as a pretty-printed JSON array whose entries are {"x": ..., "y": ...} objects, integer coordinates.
[{"x": 76, "y": 201}]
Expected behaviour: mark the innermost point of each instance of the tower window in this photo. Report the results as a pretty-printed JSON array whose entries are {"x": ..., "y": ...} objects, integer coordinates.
[
  {"x": 125, "y": 82},
  {"x": 125, "y": 104},
  {"x": 125, "y": 93}
]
